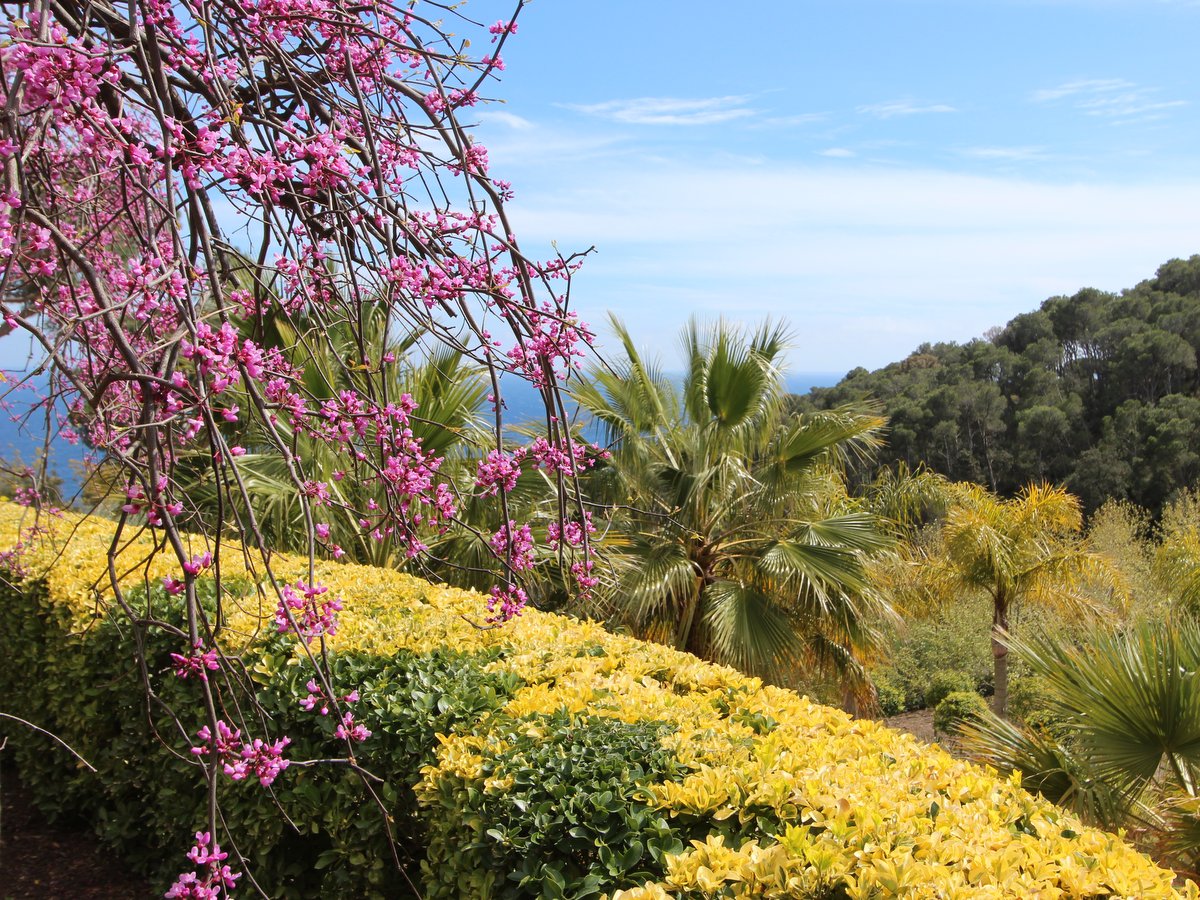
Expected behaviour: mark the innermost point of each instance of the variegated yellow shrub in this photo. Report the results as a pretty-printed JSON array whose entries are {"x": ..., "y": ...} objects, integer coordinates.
[{"x": 760, "y": 792}]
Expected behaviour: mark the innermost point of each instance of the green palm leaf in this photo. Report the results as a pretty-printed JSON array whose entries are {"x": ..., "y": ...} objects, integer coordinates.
[
  {"x": 814, "y": 567},
  {"x": 1047, "y": 767},
  {"x": 748, "y": 629},
  {"x": 1132, "y": 699},
  {"x": 702, "y": 496}
]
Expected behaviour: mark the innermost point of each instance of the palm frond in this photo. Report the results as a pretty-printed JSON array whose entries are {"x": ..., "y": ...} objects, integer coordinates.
[
  {"x": 830, "y": 435},
  {"x": 1132, "y": 699},
  {"x": 1047, "y": 766},
  {"x": 651, "y": 577},
  {"x": 747, "y": 629},
  {"x": 814, "y": 567}
]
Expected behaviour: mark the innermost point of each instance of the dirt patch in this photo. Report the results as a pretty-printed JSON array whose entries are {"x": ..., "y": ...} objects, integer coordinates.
[
  {"x": 918, "y": 723},
  {"x": 40, "y": 861}
]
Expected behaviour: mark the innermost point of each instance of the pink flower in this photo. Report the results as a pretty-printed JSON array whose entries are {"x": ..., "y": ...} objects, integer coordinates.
[
  {"x": 505, "y": 604},
  {"x": 216, "y": 876},
  {"x": 196, "y": 662},
  {"x": 349, "y": 731}
]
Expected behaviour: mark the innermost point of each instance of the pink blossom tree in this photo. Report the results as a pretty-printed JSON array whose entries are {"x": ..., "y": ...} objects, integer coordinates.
[{"x": 174, "y": 171}]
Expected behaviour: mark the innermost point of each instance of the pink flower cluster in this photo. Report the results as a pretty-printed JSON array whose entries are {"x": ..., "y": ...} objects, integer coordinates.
[
  {"x": 514, "y": 545},
  {"x": 216, "y": 877},
  {"x": 499, "y": 471},
  {"x": 317, "y": 695},
  {"x": 346, "y": 730},
  {"x": 196, "y": 662},
  {"x": 298, "y": 604},
  {"x": 553, "y": 349},
  {"x": 557, "y": 457},
  {"x": 238, "y": 759},
  {"x": 572, "y": 532},
  {"x": 198, "y": 564},
  {"x": 505, "y": 604}
]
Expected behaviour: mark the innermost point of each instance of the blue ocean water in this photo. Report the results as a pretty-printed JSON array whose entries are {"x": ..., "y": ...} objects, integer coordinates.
[
  {"x": 23, "y": 433},
  {"x": 23, "y": 436},
  {"x": 524, "y": 404}
]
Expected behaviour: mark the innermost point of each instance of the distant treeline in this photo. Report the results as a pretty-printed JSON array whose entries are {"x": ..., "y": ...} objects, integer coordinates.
[{"x": 1097, "y": 391}]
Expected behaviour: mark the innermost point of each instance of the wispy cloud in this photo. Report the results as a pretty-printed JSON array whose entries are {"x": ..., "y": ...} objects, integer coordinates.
[
  {"x": 513, "y": 121},
  {"x": 669, "y": 110},
  {"x": 1084, "y": 86},
  {"x": 1110, "y": 98},
  {"x": 837, "y": 153},
  {"x": 904, "y": 108},
  {"x": 1005, "y": 154},
  {"x": 799, "y": 119},
  {"x": 842, "y": 248}
]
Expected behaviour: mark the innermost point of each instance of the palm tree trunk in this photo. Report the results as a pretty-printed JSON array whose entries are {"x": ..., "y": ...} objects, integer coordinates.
[
  {"x": 687, "y": 616},
  {"x": 1000, "y": 656}
]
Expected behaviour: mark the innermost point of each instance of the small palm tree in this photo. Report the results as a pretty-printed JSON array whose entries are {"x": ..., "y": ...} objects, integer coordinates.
[
  {"x": 1126, "y": 749},
  {"x": 450, "y": 394},
  {"x": 733, "y": 536},
  {"x": 1026, "y": 549}
]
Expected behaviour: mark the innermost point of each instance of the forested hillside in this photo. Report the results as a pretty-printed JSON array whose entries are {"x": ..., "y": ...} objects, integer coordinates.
[{"x": 1098, "y": 391}]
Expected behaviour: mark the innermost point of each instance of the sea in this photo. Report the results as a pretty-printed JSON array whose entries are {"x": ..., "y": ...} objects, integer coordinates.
[{"x": 22, "y": 437}]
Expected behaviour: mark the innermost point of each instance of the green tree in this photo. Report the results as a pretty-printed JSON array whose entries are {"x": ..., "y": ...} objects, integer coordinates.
[
  {"x": 1125, "y": 748},
  {"x": 1096, "y": 390},
  {"x": 1023, "y": 550},
  {"x": 735, "y": 537}
]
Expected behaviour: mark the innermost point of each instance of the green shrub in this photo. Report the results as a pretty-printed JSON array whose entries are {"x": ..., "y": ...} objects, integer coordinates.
[
  {"x": 564, "y": 818},
  {"x": 956, "y": 707},
  {"x": 147, "y": 797},
  {"x": 889, "y": 695},
  {"x": 957, "y": 638},
  {"x": 553, "y": 759},
  {"x": 943, "y": 684}
]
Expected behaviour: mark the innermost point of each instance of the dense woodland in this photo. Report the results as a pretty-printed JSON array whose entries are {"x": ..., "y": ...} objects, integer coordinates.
[{"x": 1097, "y": 391}]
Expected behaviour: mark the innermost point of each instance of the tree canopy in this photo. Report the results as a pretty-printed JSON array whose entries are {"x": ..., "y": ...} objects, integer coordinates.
[
  {"x": 1098, "y": 391},
  {"x": 733, "y": 535}
]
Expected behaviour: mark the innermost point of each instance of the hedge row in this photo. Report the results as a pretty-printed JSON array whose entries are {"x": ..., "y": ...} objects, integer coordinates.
[{"x": 545, "y": 759}]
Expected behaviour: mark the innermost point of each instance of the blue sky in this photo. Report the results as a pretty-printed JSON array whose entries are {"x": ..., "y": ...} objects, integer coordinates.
[{"x": 877, "y": 173}]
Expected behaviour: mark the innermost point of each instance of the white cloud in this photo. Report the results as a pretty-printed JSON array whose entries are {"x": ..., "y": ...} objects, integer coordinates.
[
  {"x": 799, "y": 119},
  {"x": 511, "y": 120},
  {"x": 1110, "y": 98},
  {"x": 866, "y": 261},
  {"x": 1081, "y": 86},
  {"x": 904, "y": 108},
  {"x": 669, "y": 110},
  {"x": 837, "y": 153},
  {"x": 1005, "y": 154}
]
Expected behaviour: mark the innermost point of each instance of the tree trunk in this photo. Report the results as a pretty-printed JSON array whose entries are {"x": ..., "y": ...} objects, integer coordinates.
[
  {"x": 1000, "y": 657},
  {"x": 687, "y": 617}
]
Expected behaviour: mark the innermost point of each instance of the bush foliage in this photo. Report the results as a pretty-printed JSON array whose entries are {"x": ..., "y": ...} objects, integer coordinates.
[
  {"x": 957, "y": 707},
  {"x": 547, "y": 758}
]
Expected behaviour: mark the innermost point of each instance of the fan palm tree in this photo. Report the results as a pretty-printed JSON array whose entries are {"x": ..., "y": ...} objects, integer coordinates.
[
  {"x": 450, "y": 394},
  {"x": 1127, "y": 746},
  {"x": 1025, "y": 549},
  {"x": 734, "y": 537}
]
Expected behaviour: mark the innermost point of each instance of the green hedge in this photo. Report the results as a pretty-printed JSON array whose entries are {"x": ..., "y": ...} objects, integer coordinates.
[
  {"x": 147, "y": 797},
  {"x": 544, "y": 759}
]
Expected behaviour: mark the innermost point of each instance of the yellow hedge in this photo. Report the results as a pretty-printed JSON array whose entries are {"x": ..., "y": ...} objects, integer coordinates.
[{"x": 867, "y": 812}]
